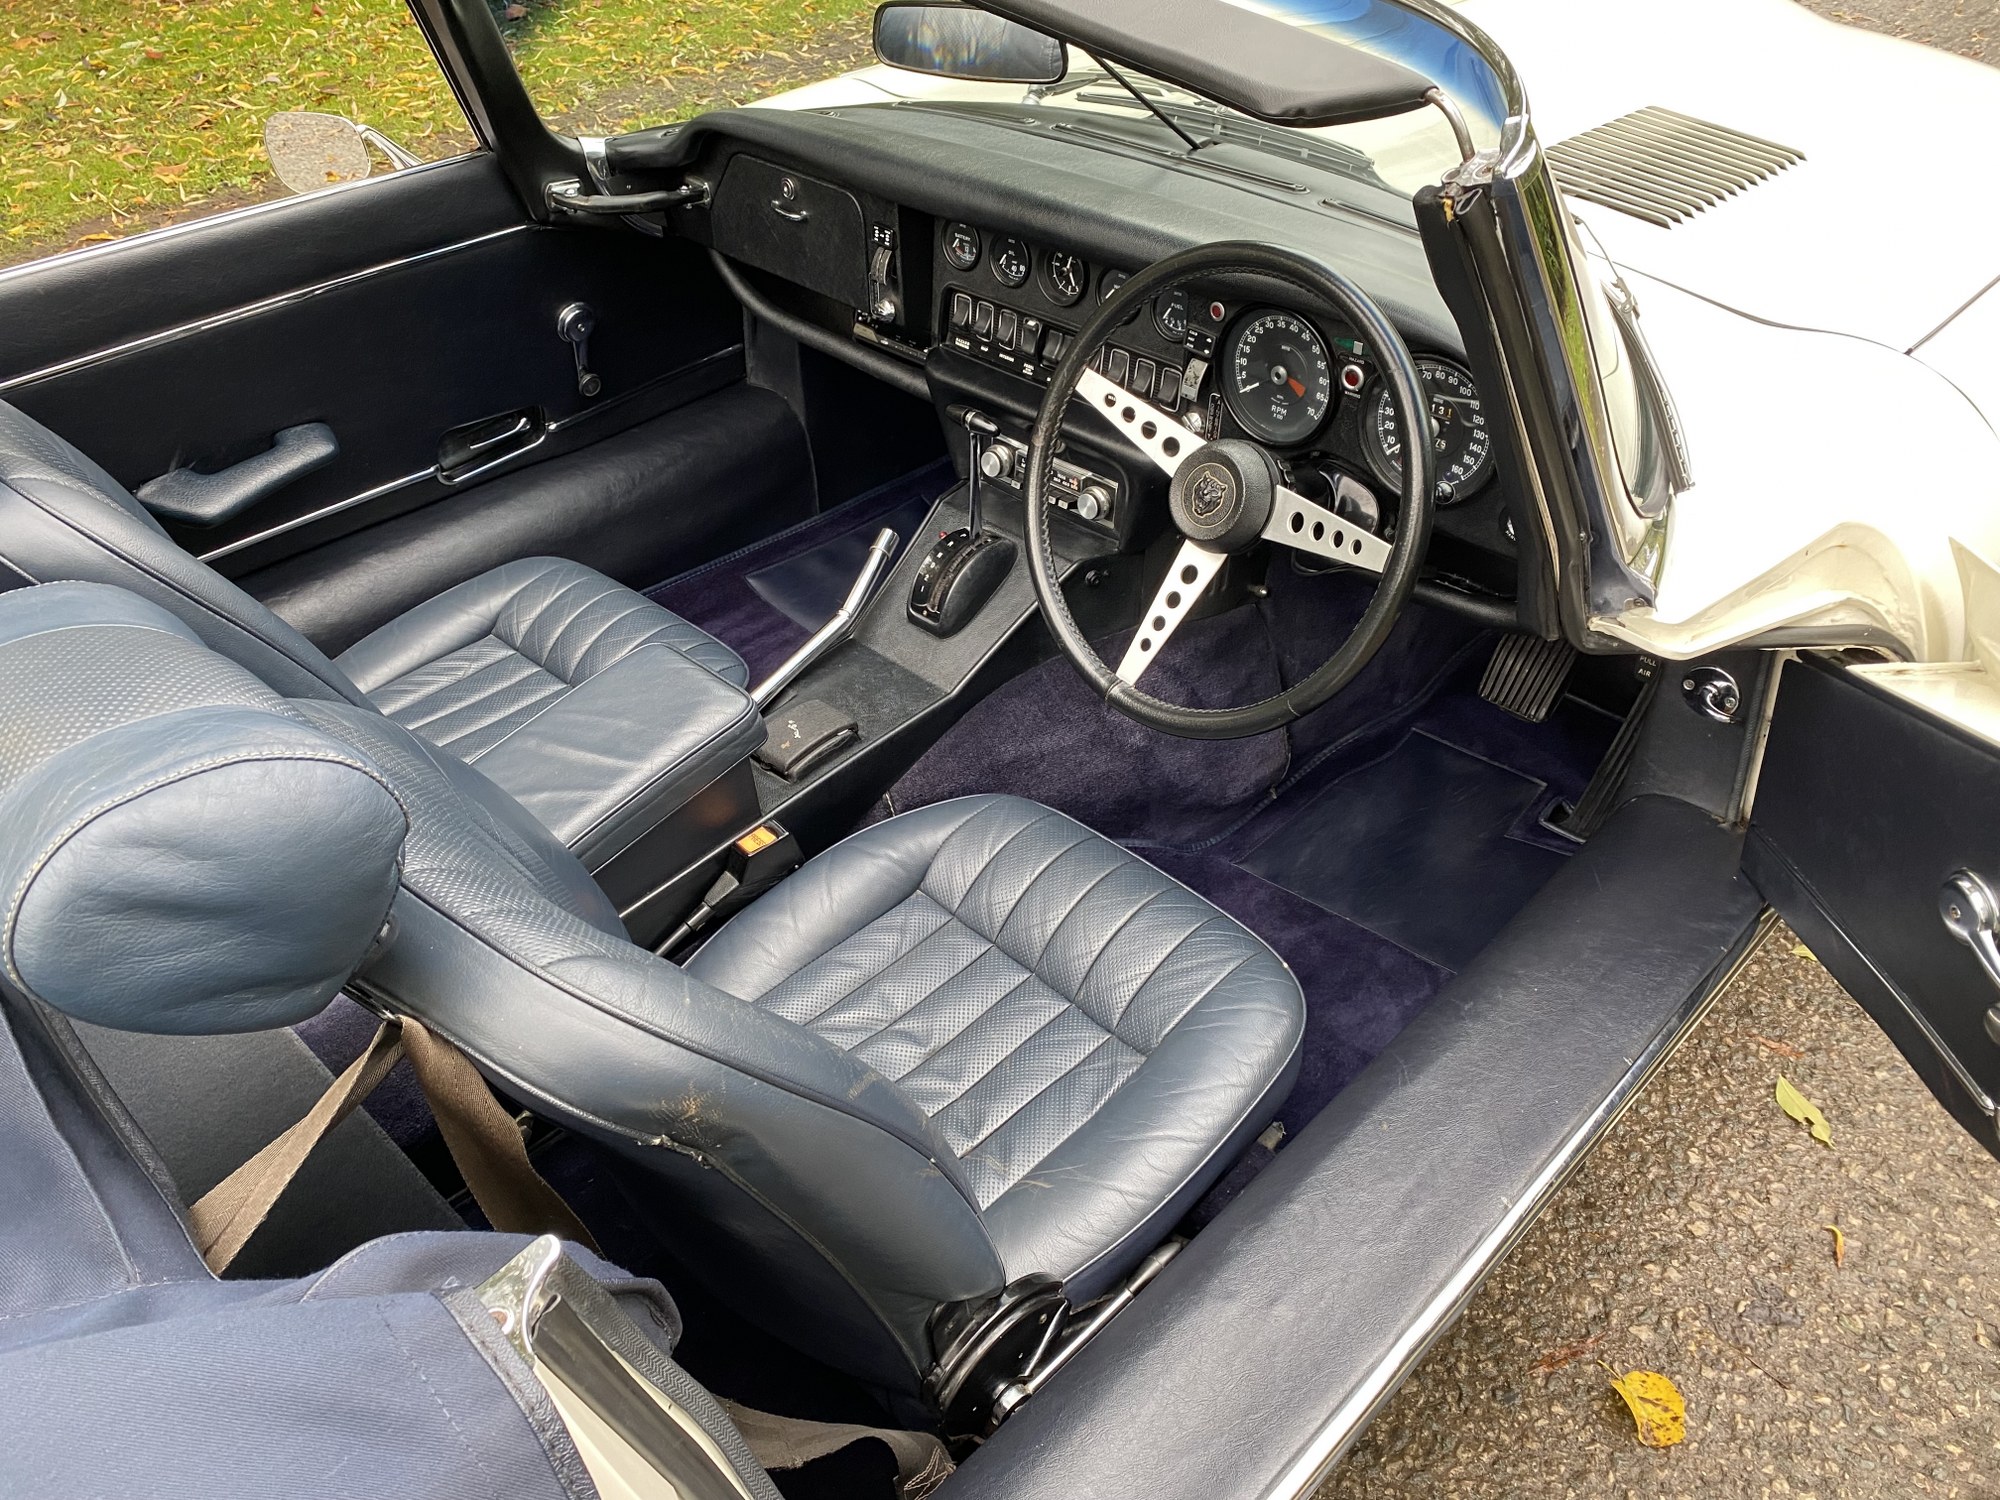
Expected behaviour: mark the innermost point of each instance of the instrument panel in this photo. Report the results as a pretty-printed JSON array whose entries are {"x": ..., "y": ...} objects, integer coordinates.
[{"x": 1303, "y": 386}]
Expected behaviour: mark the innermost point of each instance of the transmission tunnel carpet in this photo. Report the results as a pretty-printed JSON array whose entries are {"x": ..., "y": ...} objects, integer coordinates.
[
  {"x": 766, "y": 599},
  {"x": 1377, "y": 845}
]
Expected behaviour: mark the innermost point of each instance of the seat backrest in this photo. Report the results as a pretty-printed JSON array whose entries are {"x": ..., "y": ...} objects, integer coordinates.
[
  {"x": 763, "y": 1147},
  {"x": 62, "y": 517}
]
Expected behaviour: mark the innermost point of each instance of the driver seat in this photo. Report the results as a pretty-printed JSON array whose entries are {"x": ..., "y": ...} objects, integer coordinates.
[{"x": 971, "y": 1045}]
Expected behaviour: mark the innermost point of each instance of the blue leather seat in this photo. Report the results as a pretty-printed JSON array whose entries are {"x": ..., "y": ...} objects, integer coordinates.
[
  {"x": 598, "y": 710},
  {"x": 968, "y": 1045}
]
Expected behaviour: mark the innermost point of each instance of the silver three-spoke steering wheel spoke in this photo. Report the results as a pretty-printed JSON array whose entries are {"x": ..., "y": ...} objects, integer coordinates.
[{"x": 1239, "y": 502}]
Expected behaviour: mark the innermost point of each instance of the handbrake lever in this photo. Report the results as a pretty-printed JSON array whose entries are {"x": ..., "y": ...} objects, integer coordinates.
[{"x": 836, "y": 630}]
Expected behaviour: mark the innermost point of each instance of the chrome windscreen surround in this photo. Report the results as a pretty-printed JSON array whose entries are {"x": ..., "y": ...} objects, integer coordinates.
[{"x": 1604, "y": 564}]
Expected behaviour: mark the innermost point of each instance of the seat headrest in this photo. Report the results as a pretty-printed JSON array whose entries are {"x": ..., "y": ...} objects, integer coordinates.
[{"x": 179, "y": 852}]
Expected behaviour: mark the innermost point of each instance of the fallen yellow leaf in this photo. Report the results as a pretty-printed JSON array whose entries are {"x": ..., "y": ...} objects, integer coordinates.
[
  {"x": 1800, "y": 950},
  {"x": 1839, "y": 1244},
  {"x": 1802, "y": 1109},
  {"x": 1656, "y": 1405}
]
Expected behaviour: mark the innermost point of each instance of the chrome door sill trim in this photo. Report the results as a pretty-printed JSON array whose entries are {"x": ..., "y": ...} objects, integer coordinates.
[
  {"x": 321, "y": 514},
  {"x": 248, "y": 310},
  {"x": 1311, "y": 1466}
]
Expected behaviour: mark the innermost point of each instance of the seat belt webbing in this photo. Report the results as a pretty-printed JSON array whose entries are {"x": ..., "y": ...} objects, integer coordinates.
[
  {"x": 485, "y": 1145},
  {"x": 485, "y": 1142},
  {"x": 922, "y": 1461}
]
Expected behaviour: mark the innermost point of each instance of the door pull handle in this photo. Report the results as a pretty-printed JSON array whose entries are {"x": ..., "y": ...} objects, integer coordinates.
[{"x": 1972, "y": 914}]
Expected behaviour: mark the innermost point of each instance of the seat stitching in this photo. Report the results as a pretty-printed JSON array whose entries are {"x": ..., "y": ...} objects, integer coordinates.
[
  {"x": 1152, "y": 973},
  {"x": 1015, "y": 1113},
  {"x": 1111, "y": 937},
  {"x": 1009, "y": 1055},
  {"x": 986, "y": 868},
  {"x": 931, "y": 867},
  {"x": 485, "y": 699},
  {"x": 927, "y": 996},
  {"x": 1028, "y": 887},
  {"x": 1062, "y": 921},
  {"x": 466, "y": 669},
  {"x": 1186, "y": 1010},
  {"x": 945, "y": 1046},
  {"x": 871, "y": 977}
]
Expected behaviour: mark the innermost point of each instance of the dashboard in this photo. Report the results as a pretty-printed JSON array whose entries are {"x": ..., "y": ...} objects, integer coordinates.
[
  {"x": 1225, "y": 362},
  {"x": 978, "y": 306}
]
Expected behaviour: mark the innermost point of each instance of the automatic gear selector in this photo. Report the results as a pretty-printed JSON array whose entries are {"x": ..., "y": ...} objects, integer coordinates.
[{"x": 963, "y": 567}]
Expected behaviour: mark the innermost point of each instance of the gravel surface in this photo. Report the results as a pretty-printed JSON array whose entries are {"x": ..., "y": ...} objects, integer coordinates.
[{"x": 1692, "y": 1242}]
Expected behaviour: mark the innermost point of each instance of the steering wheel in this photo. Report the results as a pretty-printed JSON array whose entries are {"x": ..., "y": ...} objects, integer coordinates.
[{"x": 1229, "y": 496}]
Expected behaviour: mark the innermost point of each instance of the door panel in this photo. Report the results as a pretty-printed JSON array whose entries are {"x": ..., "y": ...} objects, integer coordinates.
[
  {"x": 705, "y": 479},
  {"x": 395, "y": 311},
  {"x": 1866, "y": 805}
]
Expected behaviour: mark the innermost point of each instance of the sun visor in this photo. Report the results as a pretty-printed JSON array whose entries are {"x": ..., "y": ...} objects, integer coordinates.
[{"x": 1266, "y": 68}]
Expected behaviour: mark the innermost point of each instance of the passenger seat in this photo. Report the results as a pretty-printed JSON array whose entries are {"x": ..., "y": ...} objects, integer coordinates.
[{"x": 600, "y": 712}]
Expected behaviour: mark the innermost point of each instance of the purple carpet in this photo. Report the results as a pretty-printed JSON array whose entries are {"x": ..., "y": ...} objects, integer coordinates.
[{"x": 766, "y": 599}]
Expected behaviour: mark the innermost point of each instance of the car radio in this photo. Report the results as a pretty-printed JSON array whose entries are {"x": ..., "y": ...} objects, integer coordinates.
[{"x": 1088, "y": 496}]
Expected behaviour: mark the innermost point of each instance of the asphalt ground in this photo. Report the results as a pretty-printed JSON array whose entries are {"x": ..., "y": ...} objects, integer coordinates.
[{"x": 1692, "y": 1242}]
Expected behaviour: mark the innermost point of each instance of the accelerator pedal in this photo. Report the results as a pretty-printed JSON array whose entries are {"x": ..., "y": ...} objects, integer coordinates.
[
  {"x": 1600, "y": 798},
  {"x": 1526, "y": 675}
]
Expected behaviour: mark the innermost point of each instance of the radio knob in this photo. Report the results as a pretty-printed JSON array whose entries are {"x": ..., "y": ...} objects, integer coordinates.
[
  {"x": 993, "y": 462},
  {"x": 1094, "y": 503}
]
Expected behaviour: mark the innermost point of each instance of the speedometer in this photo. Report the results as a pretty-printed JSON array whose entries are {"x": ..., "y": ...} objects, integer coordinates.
[
  {"x": 1463, "y": 441},
  {"x": 1278, "y": 379}
]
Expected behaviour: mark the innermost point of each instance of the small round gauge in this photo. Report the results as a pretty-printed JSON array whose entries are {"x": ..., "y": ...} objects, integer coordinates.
[
  {"x": 1170, "y": 315},
  {"x": 1111, "y": 281},
  {"x": 1462, "y": 439},
  {"x": 961, "y": 246},
  {"x": 1064, "y": 278},
  {"x": 1011, "y": 263},
  {"x": 1278, "y": 380}
]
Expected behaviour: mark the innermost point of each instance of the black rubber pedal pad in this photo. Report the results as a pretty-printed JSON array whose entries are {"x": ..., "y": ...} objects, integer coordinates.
[{"x": 1526, "y": 675}]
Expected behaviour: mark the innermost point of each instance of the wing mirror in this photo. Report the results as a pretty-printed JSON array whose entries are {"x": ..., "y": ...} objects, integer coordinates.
[
  {"x": 963, "y": 41},
  {"x": 310, "y": 151}
]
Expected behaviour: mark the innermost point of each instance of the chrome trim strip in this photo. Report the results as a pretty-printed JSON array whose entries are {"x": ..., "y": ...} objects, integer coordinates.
[
  {"x": 188, "y": 226},
  {"x": 321, "y": 514},
  {"x": 250, "y": 309},
  {"x": 1310, "y": 1467}
]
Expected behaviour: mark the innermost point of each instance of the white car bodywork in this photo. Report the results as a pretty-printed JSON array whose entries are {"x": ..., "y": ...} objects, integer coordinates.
[{"x": 1827, "y": 335}]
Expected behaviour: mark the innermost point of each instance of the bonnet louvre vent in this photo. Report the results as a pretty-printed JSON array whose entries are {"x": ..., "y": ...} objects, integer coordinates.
[{"x": 1664, "y": 167}]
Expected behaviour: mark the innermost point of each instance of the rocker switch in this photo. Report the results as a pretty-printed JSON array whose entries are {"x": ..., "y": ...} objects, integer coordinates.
[{"x": 574, "y": 326}]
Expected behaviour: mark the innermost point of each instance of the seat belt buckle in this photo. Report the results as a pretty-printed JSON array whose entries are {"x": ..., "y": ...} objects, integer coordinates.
[{"x": 750, "y": 866}]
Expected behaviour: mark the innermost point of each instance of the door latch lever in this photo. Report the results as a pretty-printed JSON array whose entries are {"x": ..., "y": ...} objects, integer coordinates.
[
  {"x": 574, "y": 326},
  {"x": 1972, "y": 914}
]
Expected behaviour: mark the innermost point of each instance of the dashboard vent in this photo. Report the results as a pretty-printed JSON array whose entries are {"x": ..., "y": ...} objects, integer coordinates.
[{"x": 1665, "y": 167}]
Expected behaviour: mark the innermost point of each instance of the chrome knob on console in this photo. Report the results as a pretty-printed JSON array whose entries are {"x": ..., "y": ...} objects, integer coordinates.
[
  {"x": 1093, "y": 503},
  {"x": 993, "y": 461}
]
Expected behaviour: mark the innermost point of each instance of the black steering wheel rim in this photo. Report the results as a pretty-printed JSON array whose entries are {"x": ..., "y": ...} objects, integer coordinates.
[{"x": 1399, "y": 577}]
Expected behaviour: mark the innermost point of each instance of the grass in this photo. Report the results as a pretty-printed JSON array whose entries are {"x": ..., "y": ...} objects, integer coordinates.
[{"x": 121, "y": 115}]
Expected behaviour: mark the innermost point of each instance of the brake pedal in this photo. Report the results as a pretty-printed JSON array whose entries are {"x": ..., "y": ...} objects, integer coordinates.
[{"x": 1526, "y": 675}]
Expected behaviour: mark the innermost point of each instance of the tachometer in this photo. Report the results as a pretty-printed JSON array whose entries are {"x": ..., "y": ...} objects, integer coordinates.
[
  {"x": 1463, "y": 441},
  {"x": 1278, "y": 379}
]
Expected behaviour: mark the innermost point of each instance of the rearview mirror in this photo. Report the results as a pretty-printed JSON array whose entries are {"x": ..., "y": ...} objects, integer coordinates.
[{"x": 963, "y": 41}]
